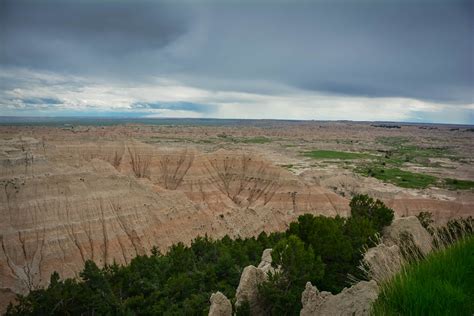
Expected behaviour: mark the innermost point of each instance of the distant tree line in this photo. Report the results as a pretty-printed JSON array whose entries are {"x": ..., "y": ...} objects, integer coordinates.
[{"x": 319, "y": 249}]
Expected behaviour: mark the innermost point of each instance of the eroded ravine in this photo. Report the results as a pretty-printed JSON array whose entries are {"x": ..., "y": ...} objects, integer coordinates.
[{"x": 75, "y": 202}]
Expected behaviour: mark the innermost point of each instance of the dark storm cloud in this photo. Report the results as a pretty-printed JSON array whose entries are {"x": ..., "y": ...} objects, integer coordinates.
[
  {"x": 416, "y": 49},
  {"x": 420, "y": 49},
  {"x": 70, "y": 34}
]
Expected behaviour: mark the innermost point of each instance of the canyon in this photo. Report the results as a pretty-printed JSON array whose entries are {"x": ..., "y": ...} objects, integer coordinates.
[{"x": 73, "y": 192}]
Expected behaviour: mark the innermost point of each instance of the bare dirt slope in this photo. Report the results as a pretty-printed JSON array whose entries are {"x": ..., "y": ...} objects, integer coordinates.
[
  {"x": 109, "y": 193},
  {"x": 113, "y": 201}
]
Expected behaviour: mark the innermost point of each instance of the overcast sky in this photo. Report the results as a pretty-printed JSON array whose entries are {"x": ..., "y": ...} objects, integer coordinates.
[{"x": 354, "y": 59}]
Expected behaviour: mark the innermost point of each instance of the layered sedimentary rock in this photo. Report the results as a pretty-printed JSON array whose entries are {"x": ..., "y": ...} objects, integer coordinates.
[
  {"x": 442, "y": 210},
  {"x": 64, "y": 203}
]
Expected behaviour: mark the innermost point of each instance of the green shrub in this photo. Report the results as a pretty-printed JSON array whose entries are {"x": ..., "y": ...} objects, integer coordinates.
[
  {"x": 297, "y": 265},
  {"x": 374, "y": 210}
]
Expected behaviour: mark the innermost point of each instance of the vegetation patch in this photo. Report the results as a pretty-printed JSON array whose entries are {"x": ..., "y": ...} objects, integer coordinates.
[
  {"x": 393, "y": 141},
  {"x": 411, "y": 180},
  {"x": 255, "y": 140},
  {"x": 455, "y": 184},
  {"x": 401, "y": 178},
  {"x": 413, "y": 152},
  {"x": 245, "y": 140},
  {"x": 330, "y": 154},
  {"x": 440, "y": 285},
  {"x": 401, "y": 152}
]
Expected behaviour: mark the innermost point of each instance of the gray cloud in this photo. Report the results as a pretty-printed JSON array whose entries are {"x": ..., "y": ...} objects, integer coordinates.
[
  {"x": 100, "y": 35},
  {"x": 409, "y": 49},
  {"x": 420, "y": 49},
  {"x": 48, "y": 94}
]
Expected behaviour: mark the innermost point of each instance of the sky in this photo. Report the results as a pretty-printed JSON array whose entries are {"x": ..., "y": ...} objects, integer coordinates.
[{"x": 369, "y": 60}]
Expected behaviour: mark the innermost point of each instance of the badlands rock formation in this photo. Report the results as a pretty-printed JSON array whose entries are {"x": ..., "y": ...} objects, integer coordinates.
[
  {"x": 382, "y": 262},
  {"x": 442, "y": 209},
  {"x": 72, "y": 193},
  {"x": 220, "y": 305},
  {"x": 411, "y": 225},
  {"x": 266, "y": 263},
  {"x": 251, "y": 277},
  {"x": 64, "y": 203},
  {"x": 353, "y": 301},
  {"x": 386, "y": 259}
]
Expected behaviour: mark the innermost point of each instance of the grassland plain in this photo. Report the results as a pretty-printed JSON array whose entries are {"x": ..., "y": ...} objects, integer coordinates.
[
  {"x": 387, "y": 168},
  {"x": 245, "y": 140},
  {"x": 402, "y": 151},
  {"x": 455, "y": 184},
  {"x": 401, "y": 178},
  {"x": 331, "y": 154},
  {"x": 443, "y": 284}
]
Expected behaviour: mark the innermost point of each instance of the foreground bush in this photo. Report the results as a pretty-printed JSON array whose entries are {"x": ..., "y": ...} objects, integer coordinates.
[{"x": 442, "y": 284}]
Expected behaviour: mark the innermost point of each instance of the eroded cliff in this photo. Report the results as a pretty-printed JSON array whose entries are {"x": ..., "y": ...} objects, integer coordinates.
[{"x": 64, "y": 203}]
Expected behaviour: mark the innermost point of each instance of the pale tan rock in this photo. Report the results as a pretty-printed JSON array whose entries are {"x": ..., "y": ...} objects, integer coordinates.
[
  {"x": 442, "y": 209},
  {"x": 393, "y": 234},
  {"x": 382, "y": 262},
  {"x": 247, "y": 291},
  {"x": 220, "y": 305},
  {"x": 266, "y": 262},
  {"x": 353, "y": 301},
  {"x": 251, "y": 277}
]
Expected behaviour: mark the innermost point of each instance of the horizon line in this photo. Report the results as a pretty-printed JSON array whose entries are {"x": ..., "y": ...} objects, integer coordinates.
[{"x": 4, "y": 117}]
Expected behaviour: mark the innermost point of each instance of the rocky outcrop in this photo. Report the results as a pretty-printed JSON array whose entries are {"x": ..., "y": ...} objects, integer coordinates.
[
  {"x": 353, "y": 301},
  {"x": 387, "y": 258},
  {"x": 396, "y": 232},
  {"x": 251, "y": 277},
  {"x": 382, "y": 262},
  {"x": 220, "y": 305},
  {"x": 266, "y": 262},
  {"x": 247, "y": 290}
]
